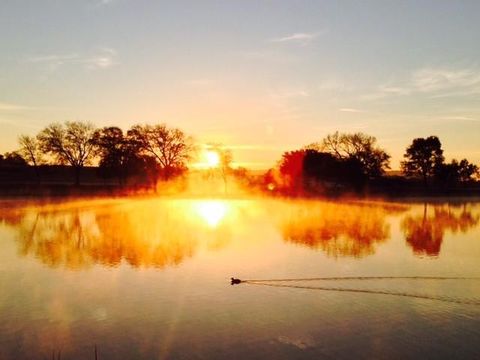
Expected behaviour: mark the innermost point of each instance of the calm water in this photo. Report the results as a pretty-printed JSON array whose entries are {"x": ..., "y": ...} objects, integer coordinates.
[{"x": 148, "y": 279}]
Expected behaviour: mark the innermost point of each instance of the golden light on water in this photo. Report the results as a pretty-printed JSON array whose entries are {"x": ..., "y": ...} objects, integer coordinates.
[
  {"x": 176, "y": 252},
  {"x": 212, "y": 211}
]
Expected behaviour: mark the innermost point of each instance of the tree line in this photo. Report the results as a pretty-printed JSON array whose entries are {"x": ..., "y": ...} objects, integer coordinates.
[
  {"x": 343, "y": 161},
  {"x": 151, "y": 152}
]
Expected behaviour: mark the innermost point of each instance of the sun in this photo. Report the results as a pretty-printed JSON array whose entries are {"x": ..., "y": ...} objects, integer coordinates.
[{"x": 212, "y": 158}]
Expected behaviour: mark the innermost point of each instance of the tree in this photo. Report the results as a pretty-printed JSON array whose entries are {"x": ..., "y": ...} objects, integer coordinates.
[
  {"x": 119, "y": 154},
  {"x": 467, "y": 171},
  {"x": 326, "y": 169},
  {"x": 447, "y": 175},
  {"x": 455, "y": 172},
  {"x": 225, "y": 159},
  {"x": 70, "y": 143},
  {"x": 423, "y": 157},
  {"x": 291, "y": 169},
  {"x": 269, "y": 180},
  {"x": 170, "y": 147},
  {"x": 12, "y": 159},
  {"x": 243, "y": 177},
  {"x": 359, "y": 146},
  {"x": 30, "y": 150}
]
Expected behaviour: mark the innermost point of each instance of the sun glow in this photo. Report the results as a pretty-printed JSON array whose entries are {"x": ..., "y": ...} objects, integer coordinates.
[
  {"x": 212, "y": 212},
  {"x": 212, "y": 158}
]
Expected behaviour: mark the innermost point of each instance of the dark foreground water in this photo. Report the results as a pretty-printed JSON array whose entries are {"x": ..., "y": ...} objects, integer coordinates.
[{"x": 149, "y": 279}]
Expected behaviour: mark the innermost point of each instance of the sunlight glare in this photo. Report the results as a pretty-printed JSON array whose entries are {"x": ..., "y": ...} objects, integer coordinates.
[
  {"x": 212, "y": 212},
  {"x": 212, "y": 157}
]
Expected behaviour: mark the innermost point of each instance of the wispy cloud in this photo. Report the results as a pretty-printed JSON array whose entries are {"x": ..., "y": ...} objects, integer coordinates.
[
  {"x": 432, "y": 79},
  {"x": 396, "y": 90},
  {"x": 299, "y": 38},
  {"x": 102, "y": 58},
  {"x": 53, "y": 58},
  {"x": 351, "y": 110},
  {"x": 385, "y": 91},
  {"x": 459, "y": 118},
  {"x": 434, "y": 83},
  {"x": 7, "y": 107}
]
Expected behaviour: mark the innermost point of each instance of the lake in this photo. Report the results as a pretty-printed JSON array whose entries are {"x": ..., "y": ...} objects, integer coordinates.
[{"x": 150, "y": 279}]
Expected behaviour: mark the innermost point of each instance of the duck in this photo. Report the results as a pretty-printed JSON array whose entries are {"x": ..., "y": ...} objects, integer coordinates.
[{"x": 235, "y": 281}]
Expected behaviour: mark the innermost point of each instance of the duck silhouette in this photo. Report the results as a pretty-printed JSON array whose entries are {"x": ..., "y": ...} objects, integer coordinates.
[{"x": 235, "y": 281}]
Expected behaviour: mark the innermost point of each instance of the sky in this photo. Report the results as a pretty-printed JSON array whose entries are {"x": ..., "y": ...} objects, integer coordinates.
[{"x": 261, "y": 77}]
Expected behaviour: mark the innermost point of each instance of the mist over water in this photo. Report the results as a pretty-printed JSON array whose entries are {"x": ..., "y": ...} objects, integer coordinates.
[{"x": 149, "y": 278}]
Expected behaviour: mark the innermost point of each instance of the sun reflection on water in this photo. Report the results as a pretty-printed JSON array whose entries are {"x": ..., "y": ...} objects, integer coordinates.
[
  {"x": 165, "y": 232},
  {"x": 212, "y": 211}
]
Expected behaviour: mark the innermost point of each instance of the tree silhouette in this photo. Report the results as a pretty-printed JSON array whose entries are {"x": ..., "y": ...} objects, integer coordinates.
[
  {"x": 448, "y": 175},
  {"x": 467, "y": 170},
  {"x": 225, "y": 158},
  {"x": 327, "y": 169},
  {"x": 12, "y": 159},
  {"x": 423, "y": 157},
  {"x": 170, "y": 147},
  {"x": 119, "y": 155},
  {"x": 291, "y": 169},
  {"x": 358, "y": 146},
  {"x": 314, "y": 171},
  {"x": 30, "y": 150},
  {"x": 70, "y": 143},
  {"x": 270, "y": 180}
]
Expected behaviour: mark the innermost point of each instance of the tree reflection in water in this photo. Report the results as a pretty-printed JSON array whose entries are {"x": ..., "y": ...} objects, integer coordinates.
[
  {"x": 424, "y": 233},
  {"x": 162, "y": 233},
  {"x": 142, "y": 234},
  {"x": 339, "y": 229}
]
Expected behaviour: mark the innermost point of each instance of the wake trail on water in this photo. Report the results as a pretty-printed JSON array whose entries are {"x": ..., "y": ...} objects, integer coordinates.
[
  {"x": 366, "y": 278},
  {"x": 273, "y": 283}
]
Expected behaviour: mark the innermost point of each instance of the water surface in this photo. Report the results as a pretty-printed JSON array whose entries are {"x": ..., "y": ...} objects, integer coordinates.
[{"x": 148, "y": 279}]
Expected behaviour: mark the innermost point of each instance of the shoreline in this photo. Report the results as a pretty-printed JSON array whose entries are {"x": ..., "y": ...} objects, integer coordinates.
[{"x": 48, "y": 193}]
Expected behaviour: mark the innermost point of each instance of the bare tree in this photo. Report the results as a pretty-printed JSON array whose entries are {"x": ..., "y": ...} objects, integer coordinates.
[
  {"x": 359, "y": 146},
  {"x": 70, "y": 143},
  {"x": 31, "y": 152},
  {"x": 225, "y": 158},
  {"x": 170, "y": 147}
]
